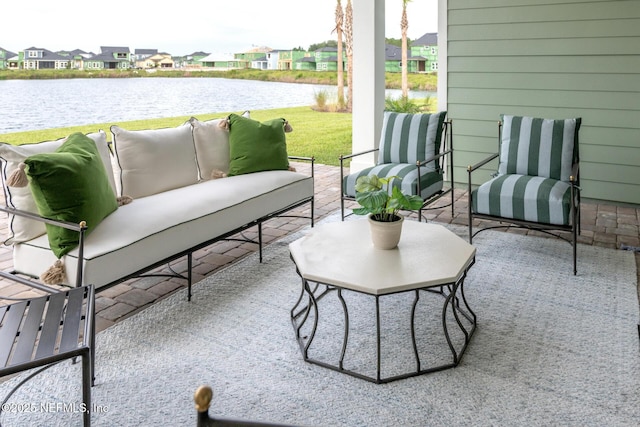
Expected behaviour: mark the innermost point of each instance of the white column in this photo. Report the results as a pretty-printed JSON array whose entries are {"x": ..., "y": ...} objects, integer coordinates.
[
  {"x": 442, "y": 54},
  {"x": 368, "y": 78}
]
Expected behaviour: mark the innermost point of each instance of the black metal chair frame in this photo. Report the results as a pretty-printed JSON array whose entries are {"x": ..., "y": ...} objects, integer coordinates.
[
  {"x": 44, "y": 331},
  {"x": 573, "y": 228},
  {"x": 446, "y": 151}
]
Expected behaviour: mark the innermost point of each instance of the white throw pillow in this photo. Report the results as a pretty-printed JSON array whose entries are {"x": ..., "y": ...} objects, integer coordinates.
[
  {"x": 212, "y": 146},
  {"x": 22, "y": 229},
  {"x": 153, "y": 161}
]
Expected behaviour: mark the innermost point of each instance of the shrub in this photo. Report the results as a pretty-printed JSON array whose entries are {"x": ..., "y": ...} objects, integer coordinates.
[
  {"x": 321, "y": 98},
  {"x": 407, "y": 105}
]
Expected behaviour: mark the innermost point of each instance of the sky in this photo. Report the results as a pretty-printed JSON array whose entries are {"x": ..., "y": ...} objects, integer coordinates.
[{"x": 212, "y": 26}]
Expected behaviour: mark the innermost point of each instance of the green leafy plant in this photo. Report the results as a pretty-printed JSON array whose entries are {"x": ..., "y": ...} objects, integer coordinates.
[
  {"x": 405, "y": 105},
  {"x": 372, "y": 194}
]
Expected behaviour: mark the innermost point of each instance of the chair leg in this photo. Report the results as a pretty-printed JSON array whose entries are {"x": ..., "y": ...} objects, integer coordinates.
[
  {"x": 469, "y": 202},
  {"x": 453, "y": 200},
  {"x": 87, "y": 374},
  {"x": 92, "y": 354},
  {"x": 470, "y": 217},
  {"x": 575, "y": 249},
  {"x": 575, "y": 230}
]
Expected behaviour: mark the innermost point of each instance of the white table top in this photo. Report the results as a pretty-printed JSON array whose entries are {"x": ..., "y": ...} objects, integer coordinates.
[{"x": 342, "y": 254}]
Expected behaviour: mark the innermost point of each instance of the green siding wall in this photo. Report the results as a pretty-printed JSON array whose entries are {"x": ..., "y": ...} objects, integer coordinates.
[{"x": 549, "y": 59}]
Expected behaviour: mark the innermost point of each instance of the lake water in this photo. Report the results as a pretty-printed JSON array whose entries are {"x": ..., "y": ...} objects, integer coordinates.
[{"x": 44, "y": 104}]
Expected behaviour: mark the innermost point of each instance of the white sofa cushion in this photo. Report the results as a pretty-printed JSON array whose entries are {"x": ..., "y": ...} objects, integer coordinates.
[
  {"x": 212, "y": 146},
  {"x": 153, "y": 161},
  {"x": 23, "y": 229},
  {"x": 157, "y": 227}
]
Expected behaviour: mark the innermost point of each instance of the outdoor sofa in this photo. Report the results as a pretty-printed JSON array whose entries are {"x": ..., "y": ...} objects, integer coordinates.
[{"x": 98, "y": 212}]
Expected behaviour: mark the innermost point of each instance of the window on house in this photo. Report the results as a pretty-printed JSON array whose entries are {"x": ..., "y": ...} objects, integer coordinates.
[
  {"x": 33, "y": 54},
  {"x": 121, "y": 55}
]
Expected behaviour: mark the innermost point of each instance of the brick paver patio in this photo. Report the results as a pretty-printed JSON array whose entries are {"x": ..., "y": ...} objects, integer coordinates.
[{"x": 603, "y": 225}]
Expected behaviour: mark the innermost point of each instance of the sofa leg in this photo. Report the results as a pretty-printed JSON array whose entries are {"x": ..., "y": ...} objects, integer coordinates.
[
  {"x": 313, "y": 203},
  {"x": 189, "y": 265},
  {"x": 260, "y": 241}
]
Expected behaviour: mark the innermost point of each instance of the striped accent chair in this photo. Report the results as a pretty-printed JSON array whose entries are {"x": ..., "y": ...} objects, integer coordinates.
[
  {"x": 536, "y": 185},
  {"x": 412, "y": 147}
]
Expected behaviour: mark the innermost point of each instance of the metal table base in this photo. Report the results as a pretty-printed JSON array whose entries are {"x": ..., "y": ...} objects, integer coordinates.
[{"x": 454, "y": 301}]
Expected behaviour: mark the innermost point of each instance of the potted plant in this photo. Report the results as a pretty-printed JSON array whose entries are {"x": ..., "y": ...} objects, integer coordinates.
[{"x": 382, "y": 206}]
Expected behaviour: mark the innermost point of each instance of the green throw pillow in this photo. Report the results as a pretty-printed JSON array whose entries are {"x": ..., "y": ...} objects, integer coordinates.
[
  {"x": 256, "y": 146},
  {"x": 70, "y": 184}
]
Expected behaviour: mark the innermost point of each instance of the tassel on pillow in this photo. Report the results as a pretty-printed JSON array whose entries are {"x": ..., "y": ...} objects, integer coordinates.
[
  {"x": 124, "y": 200},
  {"x": 224, "y": 124},
  {"x": 287, "y": 127},
  {"x": 18, "y": 177},
  {"x": 55, "y": 275},
  {"x": 216, "y": 174}
]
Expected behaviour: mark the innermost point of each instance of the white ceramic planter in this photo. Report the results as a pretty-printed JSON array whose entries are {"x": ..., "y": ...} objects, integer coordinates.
[{"x": 385, "y": 235}]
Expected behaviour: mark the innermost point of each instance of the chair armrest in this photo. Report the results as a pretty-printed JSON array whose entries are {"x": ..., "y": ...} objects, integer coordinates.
[
  {"x": 302, "y": 158},
  {"x": 344, "y": 157},
  {"x": 472, "y": 168},
  {"x": 65, "y": 224},
  {"x": 349, "y": 156},
  {"x": 312, "y": 160},
  {"x": 80, "y": 228},
  {"x": 432, "y": 158}
]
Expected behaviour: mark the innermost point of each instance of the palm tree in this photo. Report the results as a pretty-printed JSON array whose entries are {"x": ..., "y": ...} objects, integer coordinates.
[
  {"x": 404, "y": 26},
  {"x": 348, "y": 41},
  {"x": 338, "y": 30}
]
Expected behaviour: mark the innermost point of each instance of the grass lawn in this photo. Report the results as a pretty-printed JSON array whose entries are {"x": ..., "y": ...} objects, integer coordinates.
[{"x": 324, "y": 136}]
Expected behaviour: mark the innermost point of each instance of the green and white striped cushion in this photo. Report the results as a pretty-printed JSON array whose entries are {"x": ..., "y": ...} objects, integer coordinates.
[
  {"x": 431, "y": 182},
  {"x": 522, "y": 197},
  {"x": 409, "y": 138},
  {"x": 538, "y": 147}
]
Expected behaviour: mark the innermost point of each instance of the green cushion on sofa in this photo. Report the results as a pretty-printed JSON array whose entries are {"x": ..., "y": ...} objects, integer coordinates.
[
  {"x": 71, "y": 185},
  {"x": 256, "y": 146}
]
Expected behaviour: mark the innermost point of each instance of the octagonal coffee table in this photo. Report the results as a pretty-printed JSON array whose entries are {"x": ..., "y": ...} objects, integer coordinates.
[{"x": 340, "y": 257}]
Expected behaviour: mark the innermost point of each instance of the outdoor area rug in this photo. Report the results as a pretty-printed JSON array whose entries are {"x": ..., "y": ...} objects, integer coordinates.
[{"x": 550, "y": 348}]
